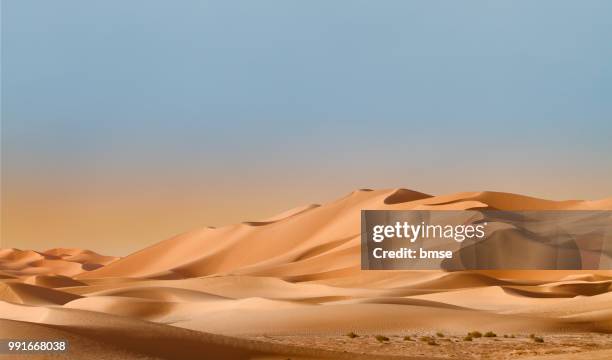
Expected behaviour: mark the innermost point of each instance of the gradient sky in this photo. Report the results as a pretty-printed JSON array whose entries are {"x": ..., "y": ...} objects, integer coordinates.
[{"x": 126, "y": 122}]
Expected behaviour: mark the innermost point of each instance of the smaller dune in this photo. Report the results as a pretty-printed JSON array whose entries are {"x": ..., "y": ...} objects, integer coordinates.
[
  {"x": 19, "y": 256},
  {"x": 161, "y": 293},
  {"x": 52, "y": 281},
  {"x": 59, "y": 261},
  {"x": 489, "y": 298},
  {"x": 400, "y": 301},
  {"x": 124, "y": 306},
  {"x": 20, "y": 293},
  {"x": 571, "y": 289},
  {"x": 459, "y": 280}
]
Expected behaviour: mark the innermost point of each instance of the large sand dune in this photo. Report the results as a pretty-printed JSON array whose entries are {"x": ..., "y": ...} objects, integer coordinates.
[{"x": 284, "y": 286}]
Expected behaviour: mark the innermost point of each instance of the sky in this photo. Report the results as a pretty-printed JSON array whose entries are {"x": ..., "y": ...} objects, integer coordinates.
[{"x": 127, "y": 122}]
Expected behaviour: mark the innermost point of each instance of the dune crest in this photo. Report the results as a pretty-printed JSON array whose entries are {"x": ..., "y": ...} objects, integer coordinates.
[
  {"x": 304, "y": 241},
  {"x": 59, "y": 261}
]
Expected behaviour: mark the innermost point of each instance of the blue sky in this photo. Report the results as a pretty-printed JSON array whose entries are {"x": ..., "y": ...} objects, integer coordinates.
[{"x": 206, "y": 97}]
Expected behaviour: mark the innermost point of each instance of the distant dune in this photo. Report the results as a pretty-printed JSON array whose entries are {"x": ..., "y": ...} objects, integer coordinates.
[
  {"x": 269, "y": 289},
  {"x": 68, "y": 262}
]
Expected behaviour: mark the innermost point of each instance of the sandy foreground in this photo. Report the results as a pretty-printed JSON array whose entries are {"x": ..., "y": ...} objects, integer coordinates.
[{"x": 290, "y": 287}]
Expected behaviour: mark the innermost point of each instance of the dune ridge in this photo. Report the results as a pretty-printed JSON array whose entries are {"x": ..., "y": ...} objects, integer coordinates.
[
  {"x": 59, "y": 261},
  {"x": 283, "y": 244}
]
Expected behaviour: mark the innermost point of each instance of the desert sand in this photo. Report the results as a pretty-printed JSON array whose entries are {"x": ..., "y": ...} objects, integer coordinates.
[{"x": 291, "y": 287}]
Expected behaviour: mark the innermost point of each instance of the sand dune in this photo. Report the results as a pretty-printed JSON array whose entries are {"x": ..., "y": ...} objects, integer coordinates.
[
  {"x": 52, "y": 281},
  {"x": 67, "y": 262},
  {"x": 168, "y": 294},
  {"x": 298, "y": 275},
  {"x": 304, "y": 243},
  {"x": 22, "y": 293}
]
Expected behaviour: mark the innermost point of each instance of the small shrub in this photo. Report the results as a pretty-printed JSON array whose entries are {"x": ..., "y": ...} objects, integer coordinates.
[
  {"x": 538, "y": 339},
  {"x": 490, "y": 334},
  {"x": 505, "y": 336},
  {"x": 532, "y": 336},
  {"x": 475, "y": 334},
  {"x": 381, "y": 338},
  {"x": 352, "y": 335},
  {"x": 512, "y": 336},
  {"x": 432, "y": 342},
  {"x": 467, "y": 338},
  {"x": 426, "y": 338},
  {"x": 407, "y": 338},
  {"x": 439, "y": 334}
]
